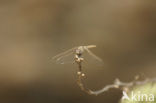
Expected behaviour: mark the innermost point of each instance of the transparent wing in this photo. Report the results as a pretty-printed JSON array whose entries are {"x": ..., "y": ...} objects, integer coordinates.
[
  {"x": 90, "y": 46},
  {"x": 91, "y": 59},
  {"x": 93, "y": 55},
  {"x": 65, "y": 57}
]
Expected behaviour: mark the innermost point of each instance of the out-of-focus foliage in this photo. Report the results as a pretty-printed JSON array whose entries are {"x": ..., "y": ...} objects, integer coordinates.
[{"x": 147, "y": 89}]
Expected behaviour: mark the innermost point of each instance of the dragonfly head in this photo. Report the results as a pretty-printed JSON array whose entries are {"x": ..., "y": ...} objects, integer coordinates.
[{"x": 79, "y": 50}]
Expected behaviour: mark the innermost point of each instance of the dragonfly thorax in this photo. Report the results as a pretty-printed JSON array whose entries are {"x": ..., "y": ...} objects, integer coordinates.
[{"x": 78, "y": 58}]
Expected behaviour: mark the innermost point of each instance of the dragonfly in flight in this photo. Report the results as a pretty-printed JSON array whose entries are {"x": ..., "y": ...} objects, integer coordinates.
[{"x": 76, "y": 54}]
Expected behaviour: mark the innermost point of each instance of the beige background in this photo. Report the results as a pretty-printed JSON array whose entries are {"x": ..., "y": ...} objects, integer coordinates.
[{"x": 33, "y": 31}]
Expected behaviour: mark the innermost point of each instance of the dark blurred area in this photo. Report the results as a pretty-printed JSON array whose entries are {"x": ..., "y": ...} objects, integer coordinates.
[{"x": 33, "y": 31}]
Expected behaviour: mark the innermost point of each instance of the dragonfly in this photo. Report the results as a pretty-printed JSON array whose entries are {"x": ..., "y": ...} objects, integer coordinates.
[{"x": 77, "y": 54}]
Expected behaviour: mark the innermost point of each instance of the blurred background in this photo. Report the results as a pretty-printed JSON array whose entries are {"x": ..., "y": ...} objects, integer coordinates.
[{"x": 33, "y": 31}]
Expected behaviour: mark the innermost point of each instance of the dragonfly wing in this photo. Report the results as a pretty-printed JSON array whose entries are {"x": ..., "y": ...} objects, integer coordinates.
[
  {"x": 90, "y": 46},
  {"x": 65, "y": 57},
  {"x": 93, "y": 55},
  {"x": 91, "y": 59},
  {"x": 68, "y": 58}
]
